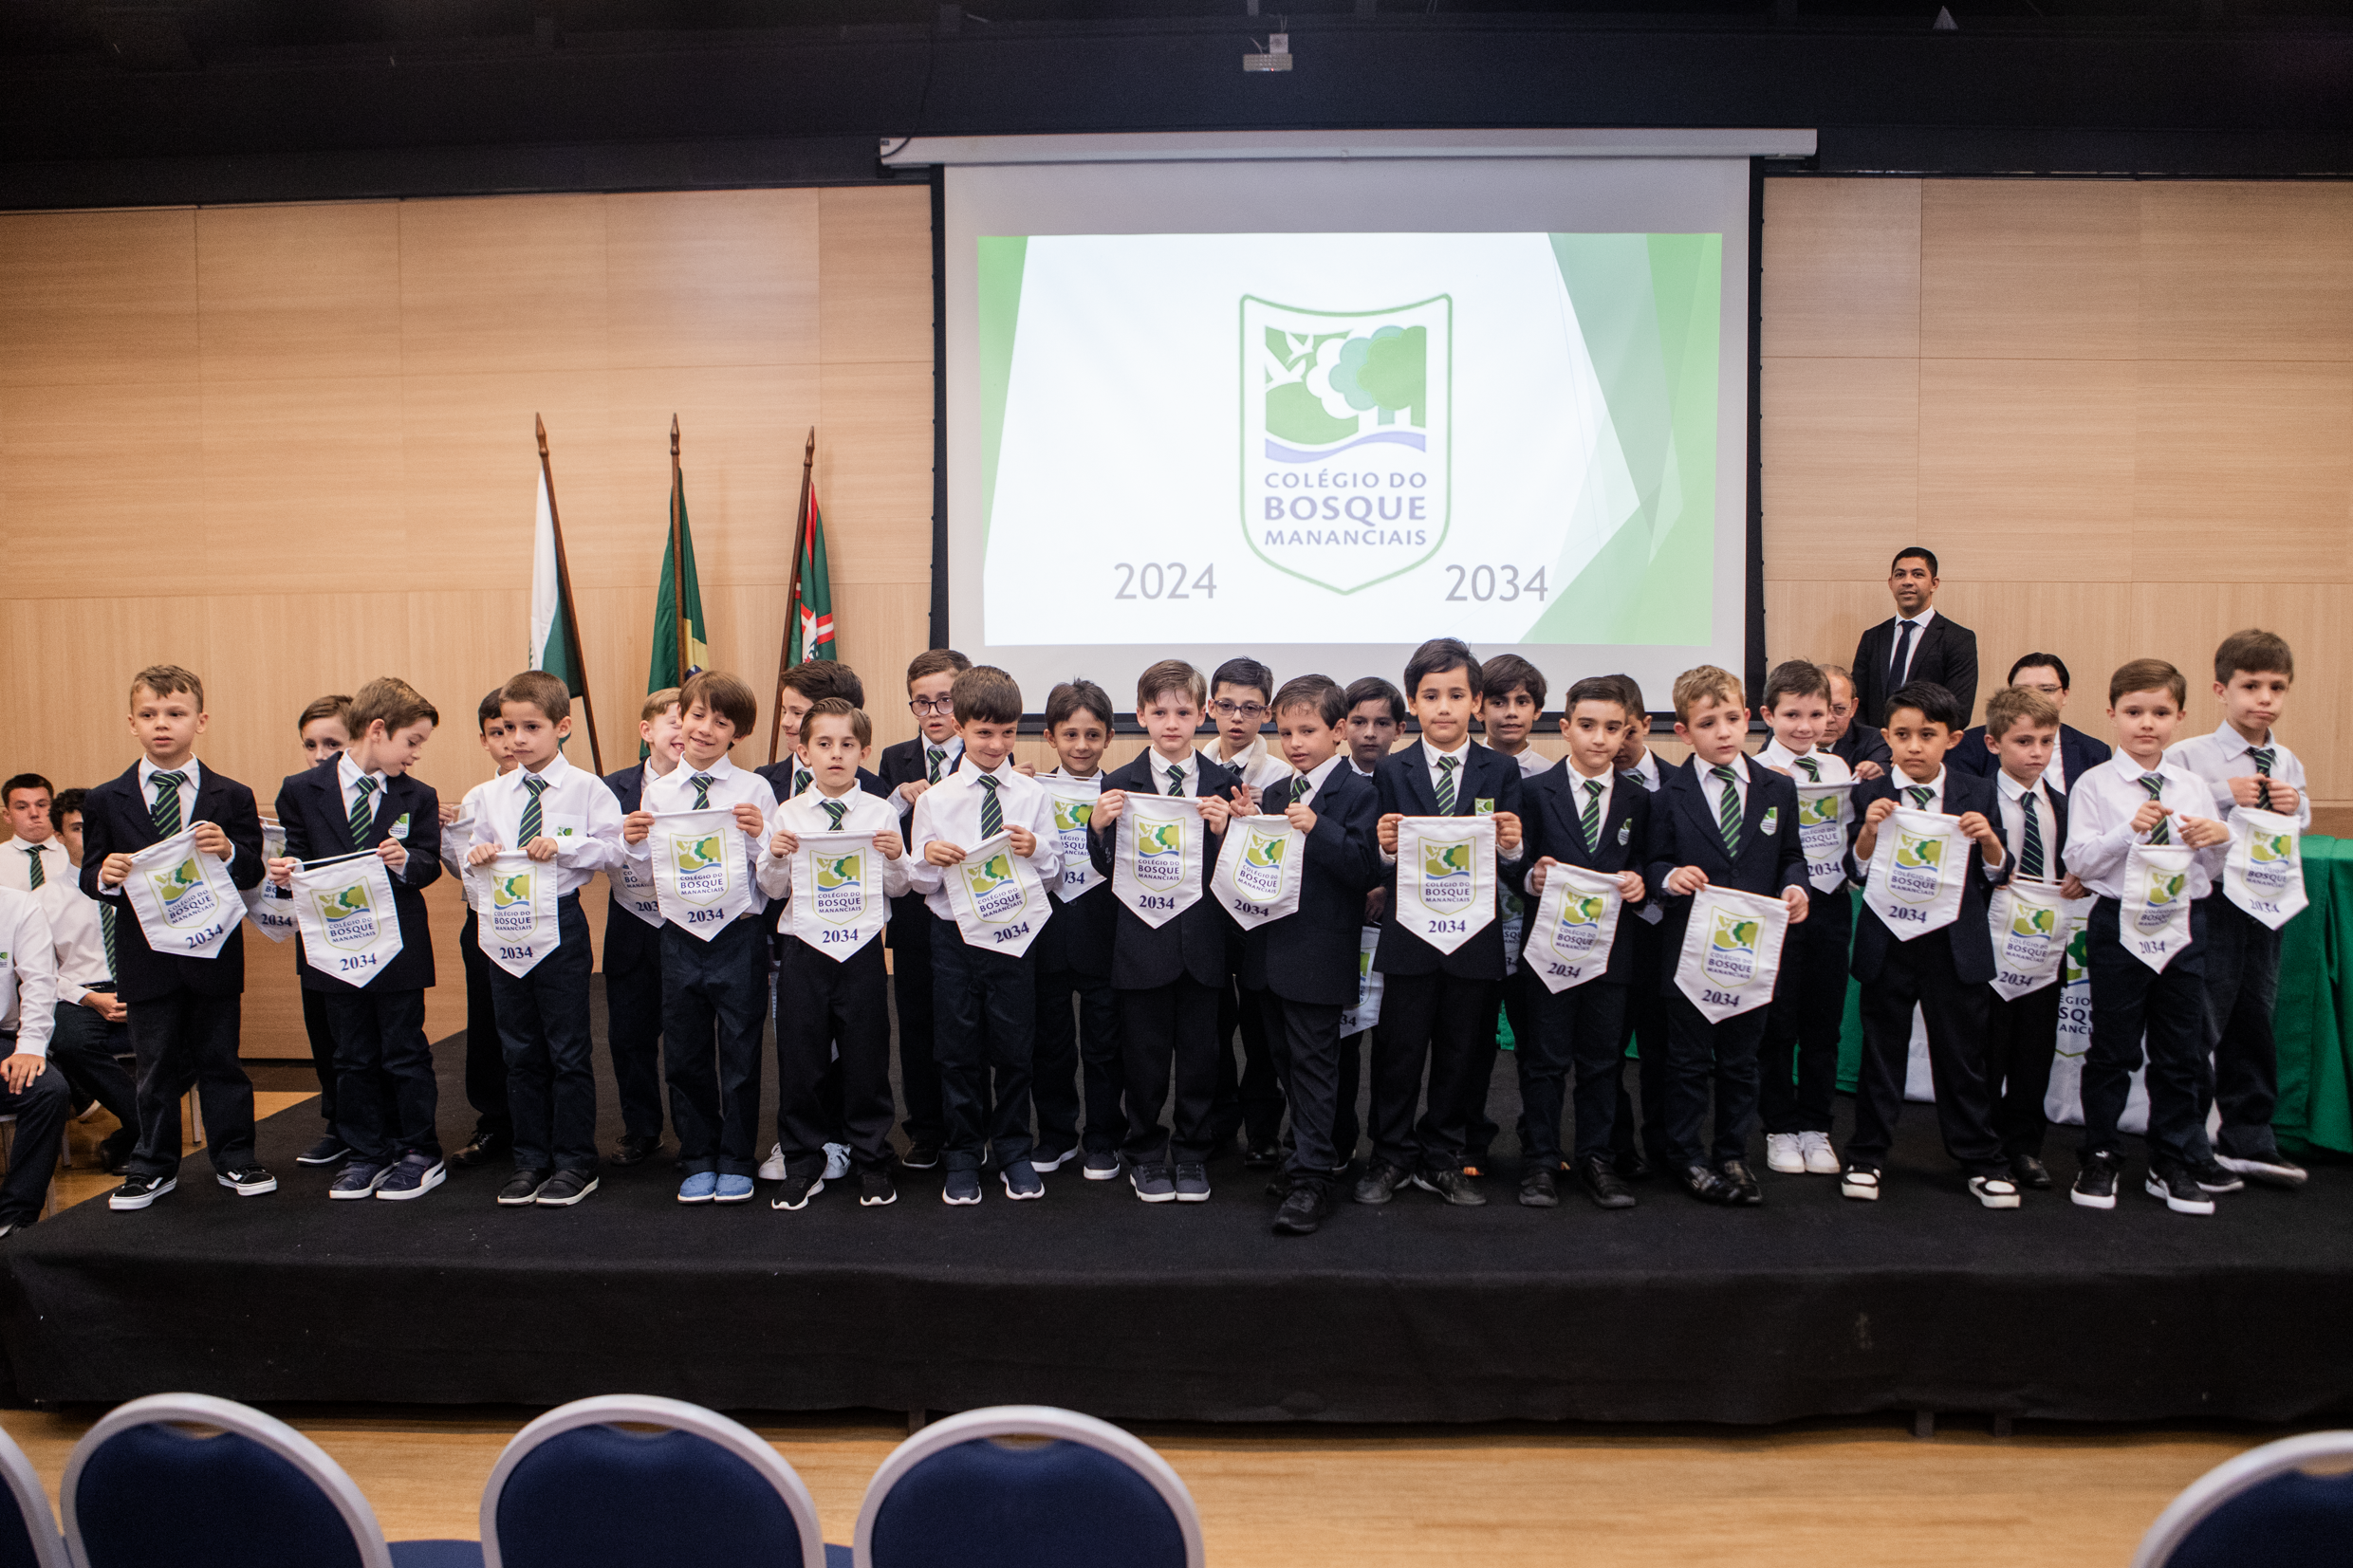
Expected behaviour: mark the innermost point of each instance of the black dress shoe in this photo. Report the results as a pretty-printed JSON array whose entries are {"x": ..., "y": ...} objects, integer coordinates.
[
  {"x": 1455, "y": 1185},
  {"x": 630, "y": 1152},
  {"x": 1379, "y": 1183},
  {"x": 2029, "y": 1172},
  {"x": 1745, "y": 1192},
  {"x": 921, "y": 1157},
  {"x": 1602, "y": 1184},
  {"x": 1706, "y": 1185},
  {"x": 1538, "y": 1189},
  {"x": 1632, "y": 1164},
  {"x": 486, "y": 1149},
  {"x": 1304, "y": 1209}
]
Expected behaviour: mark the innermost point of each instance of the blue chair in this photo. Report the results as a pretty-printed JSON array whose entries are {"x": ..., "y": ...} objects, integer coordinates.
[
  {"x": 574, "y": 1491},
  {"x": 2263, "y": 1509},
  {"x": 1089, "y": 1496},
  {"x": 141, "y": 1491},
  {"x": 28, "y": 1536}
]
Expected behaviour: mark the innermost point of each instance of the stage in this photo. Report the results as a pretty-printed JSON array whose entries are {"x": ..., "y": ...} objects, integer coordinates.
[{"x": 1670, "y": 1312}]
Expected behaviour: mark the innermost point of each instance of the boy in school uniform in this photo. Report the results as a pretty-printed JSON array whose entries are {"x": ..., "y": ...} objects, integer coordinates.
[
  {"x": 1856, "y": 744},
  {"x": 2021, "y": 732},
  {"x": 90, "y": 1037},
  {"x": 1251, "y": 1100},
  {"x": 632, "y": 973},
  {"x": 492, "y": 1142},
  {"x": 1300, "y": 971},
  {"x": 907, "y": 770},
  {"x": 985, "y": 1002},
  {"x": 2136, "y": 797},
  {"x": 1639, "y": 1142},
  {"x": 824, "y": 1004},
  {"x": 39, "y": 1100},
  {"x": 33, "y": 857},
  {"x": 1433, "y": 1005},
  {"x": 367, "y": 799},
  {"x": 1798, "y": 1064},
  {"x": 2245, "y": 764},
  {"x": 564, "y": 816},
  {"x": 1167, "y": 978},
  {"x": 324, "y": 728},
  {"x": 1945, "y": 973},
  {"x": 1077, "y": 1058},
  {"x": 2074, "y": 754},
  {"x": 1581, "y": 813},
  {"x": 714, "y": 993},
  {"x": 1512, "y": 698},
  {"x": 1718, "y": 821},
  {"x": 183, "y": 1012},
  {"x": 1376, "y": 716}
]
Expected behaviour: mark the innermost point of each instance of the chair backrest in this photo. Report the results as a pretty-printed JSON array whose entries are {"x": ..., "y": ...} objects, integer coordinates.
[
  {"x": 28, "y": 1536},
  {"x": 2262, "y": 1508},
  {"x": 1088, "y": 1496},
  {"x": 139, "y": 1491},
  {"x": 574, "y": 1491}
]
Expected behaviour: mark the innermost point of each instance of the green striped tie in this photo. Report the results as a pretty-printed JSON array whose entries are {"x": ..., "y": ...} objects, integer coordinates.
[
  {"x": 1446, "y": 786},
  {"x": 992, "y": 815},
  {"x": 2030, "y": 853},
  {"x": 2264, "y": 757},
  {"x": 1728, "y": 809},
  {"x": 35, "y": 873},
  {"x": 1919, "y": 794},
  {"x": 1591, "y": 820},
  {"x": 1813, "y": 768},
  {"x": 799, "y": 782},
  {"x": 938, "y": 755},
  {"x": 702, "y": 791},
  {"x": 166, "y": 811},
  {"x": 532, "y": 824},
  {"x": 107, "y": 932},
  {"x": 2155, "y": 785},
  {"x": 1175, "y": 780},
  {"x": 833, "y": 812},
  {"x": 361, "y": 813}
]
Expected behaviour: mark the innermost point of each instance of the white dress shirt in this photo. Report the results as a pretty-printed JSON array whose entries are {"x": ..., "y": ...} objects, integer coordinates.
[
  {"x": 577, "y": 810},
  {"x": 28, "y": 973},
  {"x": 1920, "y": 634},
  {"x": 16, "y": 864},
  {"x": 1159, "y": 766},
  {"x": 2013, "y": 795},
  {"x": 950, "y": 811},
  {"x": 1260, "y": 769},
  {"x": 1830, "y": 767},
  {"x": 78, "y": 938},
  {"x": 729, "y": 786},
  {"x": 805, "y": 815},
  {"x": 454, "y": 843},
  {"x": 1429, "y": 755},
  {"x": 2218, "y": 758},
  {"x": 952, "y": 751},
  {"x": 1532, "y": 763},
  {"x": 1577, "y": 792},
  {"x": 1647, "y": 771},
  {"x": 2100, "y": 811}
]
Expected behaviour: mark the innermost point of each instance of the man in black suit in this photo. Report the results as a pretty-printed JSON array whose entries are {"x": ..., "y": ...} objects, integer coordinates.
[
  {"x": 1917, "y": 645},
  {"x": 2076, "y": 753},
  {"x": 1860, "y": 746},
  {"x": 183, "y": 1012}
]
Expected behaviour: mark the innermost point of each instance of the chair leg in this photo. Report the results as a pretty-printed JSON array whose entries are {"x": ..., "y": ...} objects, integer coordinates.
[{"x": 192, "y": 1113}]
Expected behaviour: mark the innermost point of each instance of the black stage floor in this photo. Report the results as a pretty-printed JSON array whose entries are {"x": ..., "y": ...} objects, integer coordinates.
[{"x": 1668, "y": 1312}]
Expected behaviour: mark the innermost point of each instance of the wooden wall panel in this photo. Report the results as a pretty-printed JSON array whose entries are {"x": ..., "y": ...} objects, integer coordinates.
[{"x": 2030, "y": 269}]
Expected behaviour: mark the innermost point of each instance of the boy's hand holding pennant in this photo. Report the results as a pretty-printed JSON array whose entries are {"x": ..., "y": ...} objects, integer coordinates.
[
  {"x": 1158, "y": 869},
  {"x": 702, "y": 872},
  {"x": 2263, "y": 873},
  {"x": 1576, "y": 922},
  {"x": 515, "y": 901},
  {"x": 186, "y": 902},
  {"x": 345, "y": 904},
  {"x": 998, "y": 900},
  {"x": 267, "y": 907},
  {"x": 1914, "y": 881},
  {"x": 1445, "y": 877},
  {"x": 1258, "y": 870},
  {"x": 838, "y": 903}
]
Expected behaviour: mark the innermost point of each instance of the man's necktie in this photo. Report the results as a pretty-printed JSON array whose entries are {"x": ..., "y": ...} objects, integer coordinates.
[
  {"x": 2264, "y": 757},
  {"x": 2031, "y": 852},
  {"x": 35, "y": 873},
  {"x": 702, "y": 782},
  {"x": 1446, "y": 786},
  {"x": 2163, "y": 832},
  {"x": 166, "y": 809},
  {"x": 1813, "y": 768},
  {"x": 991, "y": 814},
  {"x": 1919, "y": 794},
  {"x": 532, "y": 783},
  {"x": 1728, "y": 809},
  {"x": 938, "y": 755},
  {"x": 1175, "y": 780},
  {"x": 1902, "y": 660},
  {"x": 361, "y": 813},
  {"x": 833, "y": 812},
  {"x": 1591, "y": 820},
  {"x": 106, "y": 934}
]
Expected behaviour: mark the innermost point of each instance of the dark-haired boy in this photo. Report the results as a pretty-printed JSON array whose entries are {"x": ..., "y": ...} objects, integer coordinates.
[
  {"x": 1640, "y": 1142},
  {"x": 1072, "y": 956},
  {"x": 1251, "y": 1100},
  {"x": 633, "y": 945},
  {"x": 987, "y": 1000},
  {"x": 2074, "y": 755},
  {"x": 486, "y": 1054},
  {"x": 2246, "y": 766},
  {"x": 1512, "y": 699},
  {"x": 1433, "y": 1005},
  {"x": 1943, "y": 972},
  {"x": 907, "y": 770},
  {"x": 90, "y": 1037},
  {"x": 1376, "y": 716},
  {"x": 33, "y": 857}
]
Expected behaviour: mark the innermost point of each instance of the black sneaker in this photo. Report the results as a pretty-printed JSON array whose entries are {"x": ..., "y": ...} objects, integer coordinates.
[
  {"x": 2215, "y": 1177},
  {"x": 139, "y": 1192},
  {"x": 1152, "y": 1183},
  {"x": 800, "y": 1186},
  {"x": 486, "y": 1149},
  {"x": 875, "y": 1189},
  {"x": 2095, "y": 1180},
  {"x": 1455, "y": 1185},
  {"x": 522, "y": 1189},
  {"x": 567, "y": 1188},
  {"x": 629, "y": 1152},
  {"x": 2030, "y": 1172},
  {"x": 1022, "y": 1181},
  {"x": 1379, "y": 1183},
  {"x": 1304, "y": 1209},
  {"x": 1046, "y": 1161},
  {"x": 921, "y": 1156},
  {"x": 1746, "y": 1193},
  {"x": 412, "y": 1175},
  {"x": 1192, "y": 1184},
  {"x": 248, "y": 1181},
  {"x": 358, "y": 1179},
  {"x": 1602, "y": 1184},
  {"x": 1101, "y": 1165},
  {"x": 1538, "y": 1189},
  {"x": 325, "y": 1151},
  {"x": 1264, "y": 1157},
  {"x": 962, "y": 1189},
  {"x": 1632, "y": 1164},
  {"x": 2177, "y": 1188}
]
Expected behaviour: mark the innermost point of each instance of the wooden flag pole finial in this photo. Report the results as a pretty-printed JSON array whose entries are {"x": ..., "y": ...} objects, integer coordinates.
[{"x": 540, "y": 425}]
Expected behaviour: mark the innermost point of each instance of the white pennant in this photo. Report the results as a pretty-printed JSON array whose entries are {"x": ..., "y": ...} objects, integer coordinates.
[
  {"x": 1732, "y": 951},
  {"x": 2031, "y": 925},
  {"x": 350, "y": 928},
  {"x": 2154, "y": 919},
  {"x": 1074, "y": 812},
  {"x": 1157, "y": 870},
  {"x": 1576, "y": 922},
  {"x": 632, "y": 890},
  {"x": 1913, "y": 884},
  {"x": 185, "y": 900},
  {"x": 515, "y": 901},
  {"x": 2264, "y": 872},
  {"x": 1446, "y": 878},
  {"x": 1258, "y": 870},
  {"x": 998, "y": 900},
  {"x": 1822, "y": 814},
  {"x": 1366, "y": 1012},
  {"x": 269, "y": 907},
  {"x": 703, "y": 875},
  {"x": 837, "y": 905}
]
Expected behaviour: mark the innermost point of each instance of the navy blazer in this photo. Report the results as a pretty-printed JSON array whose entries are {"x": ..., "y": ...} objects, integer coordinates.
[
  {"x": 899, "y": 764},
  {"x": 2078, "y": 753},
  {"x": 1946, "y": 653},
  {"x": 1145, "y": 957},
  {"x": 116, "y": 820},
  {"x": 1970, "y": 941},
  {"x": 1863, "y": 742},
  {"x": 1402, "y": 781},
  {"x": 310, "y": 809},
  {"x": 1310, "y": 956},
  {"x": 1684, "y": 832},
  {"x": 1554, "y": 825}
]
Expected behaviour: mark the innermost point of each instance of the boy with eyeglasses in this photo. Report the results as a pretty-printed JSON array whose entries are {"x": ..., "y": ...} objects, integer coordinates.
[
  {"x": 1251, "y": 1100},
  {"x": 908, "y": 769},
  {"x": 2076, "y": 753}
]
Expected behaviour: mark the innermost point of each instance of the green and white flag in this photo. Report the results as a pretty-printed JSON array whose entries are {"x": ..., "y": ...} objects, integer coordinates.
[
  {"x": 998, "y": 900},
  {"x": 514, "y": 897},
  {"x": 702, "y": 870},
  {"x": 837, "y": 904},
  {"x": 1446, "y": 878},
  {"x": 551, "y": 600},
  {"x": 2153, "y": 921},
  {"x": 1258, "y": 870},
  {"x": 350, "y": 930},
  {"x": 185, "y": 902},
  {"x": 669, "y": 602}
]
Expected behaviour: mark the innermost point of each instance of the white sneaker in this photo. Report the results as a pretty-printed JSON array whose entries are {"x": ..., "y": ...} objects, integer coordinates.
[
  {"x": 837, "y": 1161},
  {"x": 1783, "y": 1153},
  {"x": 1821, "y": 1159},
  {"x": 1860, "y": 1184},
  {"x": 773, "y": 1167},
  {"x": 1994, "y": 1191}
]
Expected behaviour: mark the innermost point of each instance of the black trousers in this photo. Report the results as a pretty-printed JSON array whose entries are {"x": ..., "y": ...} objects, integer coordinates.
[
  {"x": 1347, "y": 1130},
  {"x": 1797, "y": 1065},
  {"x": 1702, "y": 1056},
  {"x": 633, "y": 1036},
  {"x": 1251, "y": 1099},
  {"x": 2021, "y": 1038},
  {"x": 823, "y": 1005},
  {"x": 41, "y": 1109},
  {"x": 543, "y": 1028},
  {"x": 911, "y": 933},
  {"x": 2242, "y": 989},
  {"x": 1645, "y": 1029},
  {"x": 1303, "y": 1038},
  {"x": 1077, "y": 1057},
  {"x": 1168, "y": 1039},
  {"x": 184, "y": 1041},
  {"x": 382, "y": 1062},
  {"x": 985, "y": 1028},
  {"x": 485, "y": 1052},
  {"x": 2127, "y": 998},
  {"x": 1512, "y": 1001},
  {"x": 1919, "y": 972},
  {"x": 715, "y": 1008},
  {"x": 320, "y": 1030},
  {"x": 89, "y": 1051},
  {"x": 1428, "y": 1022},
  {"x": 1581, "y": 1028}
]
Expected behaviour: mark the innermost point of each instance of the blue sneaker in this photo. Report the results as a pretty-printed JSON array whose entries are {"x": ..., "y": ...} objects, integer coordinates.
[
  {"x": 1021, "y": 1180},
  {"x": 412, "y": 1177},
  {"x": 734, "y": 1189},
  {"x": 963, "y": 1187},
  {"x": 1152, "y": 1183},
  {"x": 702, "y": 1187},
  {"x": 358, "y": 1179}
]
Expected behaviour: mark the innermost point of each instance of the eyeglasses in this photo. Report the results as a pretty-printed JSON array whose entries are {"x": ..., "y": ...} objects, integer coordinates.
[
  {"x": 930, "y": 705},
  {"x": 2050, "y": 689},
  {"x": 1238, "y": 709}
]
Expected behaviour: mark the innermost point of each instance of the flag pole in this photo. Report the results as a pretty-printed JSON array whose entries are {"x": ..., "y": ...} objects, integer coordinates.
[
  {"x": 564, "y": 594},
  {"x": 793, "y": 590},
  {"x": 677, "y": 555}
]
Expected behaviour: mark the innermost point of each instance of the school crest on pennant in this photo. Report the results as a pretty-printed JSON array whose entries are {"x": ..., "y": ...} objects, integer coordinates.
[{"x": 1446, "y": 880}]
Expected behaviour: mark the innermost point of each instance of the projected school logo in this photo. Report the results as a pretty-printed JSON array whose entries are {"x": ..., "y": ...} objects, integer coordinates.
[{"x": 1346, "y": 437}]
